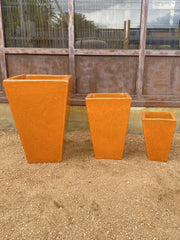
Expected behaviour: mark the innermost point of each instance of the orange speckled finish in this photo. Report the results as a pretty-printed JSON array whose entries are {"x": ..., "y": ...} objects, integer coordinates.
[
  {"x": 158, "y": 133},
  {"x": 108, "y": 115},
  {"x": 38, "y": 104}
]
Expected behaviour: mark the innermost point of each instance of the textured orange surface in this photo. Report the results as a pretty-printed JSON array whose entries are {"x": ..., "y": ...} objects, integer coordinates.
[
  {"x": 158, "y": 133},
  {"x": 108, "y": 115},
  {"x": 38, "y": 104}
]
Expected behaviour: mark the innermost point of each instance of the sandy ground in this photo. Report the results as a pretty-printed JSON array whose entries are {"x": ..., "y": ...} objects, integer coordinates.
[{"x": 86, "y": 198}]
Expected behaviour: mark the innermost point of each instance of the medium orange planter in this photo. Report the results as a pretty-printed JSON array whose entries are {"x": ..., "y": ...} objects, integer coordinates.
[
  {"x": 108, "y": 115},
  {"x": 158, "y": 132},
  {"x": 38, "y": 104}
]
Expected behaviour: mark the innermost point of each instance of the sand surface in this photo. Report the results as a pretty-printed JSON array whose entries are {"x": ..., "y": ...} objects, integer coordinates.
[{"x": 86, "y": 198}]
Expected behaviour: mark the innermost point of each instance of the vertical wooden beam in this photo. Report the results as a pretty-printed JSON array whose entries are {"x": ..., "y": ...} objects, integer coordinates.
[
  {"x": 124, "y": 40},
  {"x": 126, "y": 34},
  {"x": 140, "y": 73},
  {"x": 179, "y": 32},
  {"x": 71, "y": 39},
  {"x": 3, "y": 68}
]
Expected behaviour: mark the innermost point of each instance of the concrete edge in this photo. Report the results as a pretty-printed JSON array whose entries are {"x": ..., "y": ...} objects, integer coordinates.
[{"x": 78, "y": 121}]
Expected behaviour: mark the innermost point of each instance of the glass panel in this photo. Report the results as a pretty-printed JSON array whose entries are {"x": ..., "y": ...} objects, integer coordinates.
[
  {"x": 35, "y": 23},
  {"x": 112, "y": 24},
  {"x": 163, "y": 27}
]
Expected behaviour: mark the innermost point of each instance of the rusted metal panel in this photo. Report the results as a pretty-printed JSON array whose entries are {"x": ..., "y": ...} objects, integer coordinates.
[
  {"x": 162, "y": 76},
  {"x": 165, "y": 53},
  {"x": 3, "y": 99},
  {"x": 106, "y": 74},
  {"x": 156, "y": 103},
  {"x": 144, "y": 102},
  {"x": 37, "y": 51},
  {"x": 3, "y": 70},
  {"x": 144, "y": 14},
  {"x": 58, "y": 51},
  {"x": 107, "y": 52},
  {"x": 36, "y": 64},
  {"x": 71, "y": 42},
  {"x": 91, "y": 52}
]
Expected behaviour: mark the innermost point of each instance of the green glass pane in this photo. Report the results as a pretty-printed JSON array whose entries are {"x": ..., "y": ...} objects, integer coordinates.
[
  {"x": 111, "y": 24},
  {"x": 35, "y": 23},
  {"x": 163, "y": 26}
]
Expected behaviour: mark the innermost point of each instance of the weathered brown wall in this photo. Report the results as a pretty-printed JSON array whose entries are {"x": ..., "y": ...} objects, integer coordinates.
[
  {"x": 36, "y": 64},
  {"x": 106, "y": 74},
  {"x": 150, "y": 76},
  {"x": 162, "y": 76}
]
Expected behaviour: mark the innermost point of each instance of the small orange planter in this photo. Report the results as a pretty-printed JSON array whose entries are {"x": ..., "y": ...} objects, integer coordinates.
[
  {"x": 158, "y": 132},
  {"x": 38, "y": 104},
  {"x": 108, "y": 115}
]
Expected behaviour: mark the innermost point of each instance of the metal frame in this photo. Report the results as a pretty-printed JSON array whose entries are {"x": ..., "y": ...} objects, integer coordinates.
[
  {"x": 138, "y": 100},
  {"x": 3, "y": 68},
  {"x": 140, "y": 73},
  {"x": 71, "y": 39}
]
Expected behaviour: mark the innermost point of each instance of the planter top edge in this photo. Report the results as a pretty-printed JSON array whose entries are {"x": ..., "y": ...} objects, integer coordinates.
[
  {"x": 39, "y": 77},
  {"x": 158, "y": 116},
  {"x": 122, "y": 96},
  {"x": 34, "y": 80}
]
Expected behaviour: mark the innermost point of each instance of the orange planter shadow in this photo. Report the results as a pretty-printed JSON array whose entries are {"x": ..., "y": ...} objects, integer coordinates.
[
  {"x": 108, "y": 115},
  {"x": 158, "y": 133},
  {"x": 38, "y": 104}
]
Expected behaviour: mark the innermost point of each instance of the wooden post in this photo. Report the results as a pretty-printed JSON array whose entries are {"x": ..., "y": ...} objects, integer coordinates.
[
  {"x": 124, "y": 41},
  {"x": 179, "y": 32},
  {"x": 126, "y": 34},
  {"x": 3, "y": 69},
  {"x": 140, "y": 73},
  {"x": 71, "y": 42}
]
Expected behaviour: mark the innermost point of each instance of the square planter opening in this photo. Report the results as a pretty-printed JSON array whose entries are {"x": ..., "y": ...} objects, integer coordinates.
[
  {"x": 109, "y": 96},
  {"x": 158, "y": 116},
  {"x": 38, "y": 104},
  {"x": 158, "y": 133},
  {"x": 108, "y": 115}
]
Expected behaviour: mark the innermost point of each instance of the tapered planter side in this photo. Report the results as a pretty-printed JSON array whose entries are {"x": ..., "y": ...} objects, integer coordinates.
[
  {"x": 38, "y": 104},
  {"x": 158, "y": 133},
  {"x": 108, "y": 116}
]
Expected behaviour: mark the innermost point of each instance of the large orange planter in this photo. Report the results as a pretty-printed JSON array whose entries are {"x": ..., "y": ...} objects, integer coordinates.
[
  {"x": 108, "y": 115},
  {"x": 38, "y": 104},
  {"x": 158, "y": 132}
]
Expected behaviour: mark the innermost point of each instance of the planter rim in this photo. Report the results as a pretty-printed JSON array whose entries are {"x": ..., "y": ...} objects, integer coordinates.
[
  {"x": 158, "y": 116},
  {"x": 38, "y": 78},
  {"x": 95, "y": 96},
  {"x": 35, "y": 80}
]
